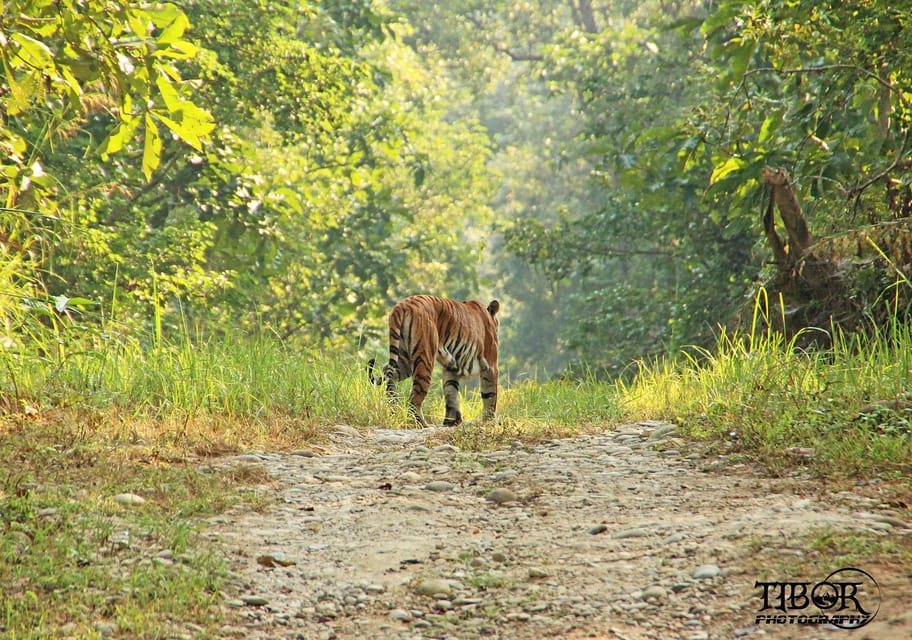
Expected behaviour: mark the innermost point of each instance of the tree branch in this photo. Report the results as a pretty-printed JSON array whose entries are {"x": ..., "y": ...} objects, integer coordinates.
[
  {"x": 499, "y": 48},
  {"x": 837, "y": 67}
]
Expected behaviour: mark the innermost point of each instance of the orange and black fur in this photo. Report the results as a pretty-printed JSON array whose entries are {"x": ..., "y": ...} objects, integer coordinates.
[{"x": 461, "y": 336}]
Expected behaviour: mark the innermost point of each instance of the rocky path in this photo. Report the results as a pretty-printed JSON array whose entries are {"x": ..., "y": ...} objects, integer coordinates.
[{"x": 627, "y": 534}]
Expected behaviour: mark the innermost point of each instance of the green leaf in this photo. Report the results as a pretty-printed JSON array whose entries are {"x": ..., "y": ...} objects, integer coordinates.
[
  {"x": 34, "y": 53},
  {"x": 769, "y": 126},
  {"x": 179, "y": 50},
  {"x": 81, "y": 302},
  {"x": 21, "y": 93},
  {"x": 151, "y": 149},
  {"x": 168, "y": 93},
  {"x": 174, "y": 30},
  {"x": 121, "y": 135},
  {"x": 741, "y": 57},
  {"x": 721, "y": 16},
  {"x": 194, "y": 126},
  {"x": 658, "y": 134},
  {"x": 164, "y": 14},
  {"x": 139, "y": 22},
  {"x": 726, "y": 168}
]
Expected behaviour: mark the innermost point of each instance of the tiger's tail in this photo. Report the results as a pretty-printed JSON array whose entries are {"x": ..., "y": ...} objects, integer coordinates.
[
  {"x": 371, "y": 371},
  {"x": 397, "y": 367}
]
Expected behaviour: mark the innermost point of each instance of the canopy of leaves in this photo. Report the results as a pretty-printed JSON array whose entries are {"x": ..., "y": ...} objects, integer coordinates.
[{"x": 331, "y": 185}]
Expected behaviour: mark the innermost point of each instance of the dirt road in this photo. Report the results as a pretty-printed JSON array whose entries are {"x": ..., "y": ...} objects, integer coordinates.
[{"x": 628, "y": 534}]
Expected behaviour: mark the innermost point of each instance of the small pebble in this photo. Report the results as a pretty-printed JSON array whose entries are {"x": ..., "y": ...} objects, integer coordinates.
[
  {"x": 506, "y": 474},
  {"x": 433, "y": 587},
  {"x": 400, "y": 615},
  {"x": 439, "y": 486},
  {"x": 705, "y": 572},
  {"x": 655, "y": 593},
  {"x": 501, "y": 496},
  {"x": 446, "y": 448}
]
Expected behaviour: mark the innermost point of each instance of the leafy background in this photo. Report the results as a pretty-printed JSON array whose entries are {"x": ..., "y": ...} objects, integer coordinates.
[{"x": 296, "y": 167}]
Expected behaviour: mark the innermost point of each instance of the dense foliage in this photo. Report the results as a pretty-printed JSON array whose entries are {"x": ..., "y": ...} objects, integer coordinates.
[
  {"x": 297, "y": 166},
  {"x": 295, "y": 170}
]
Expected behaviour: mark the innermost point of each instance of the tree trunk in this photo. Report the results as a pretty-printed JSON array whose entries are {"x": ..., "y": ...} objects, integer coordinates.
[
  {"x": 799, "y": 237},
  {"x": 584, "y": 16}
]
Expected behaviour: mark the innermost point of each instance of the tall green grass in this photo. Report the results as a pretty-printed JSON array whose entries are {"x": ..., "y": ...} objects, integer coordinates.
[
  {"x": 844, "y": 411},
  {"x": 243, "y": 377},
  {"x": 841, "y": 412},
  {"x": 235, "y": 376}
]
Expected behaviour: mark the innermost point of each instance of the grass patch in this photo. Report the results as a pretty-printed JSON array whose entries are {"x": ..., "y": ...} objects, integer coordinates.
[
  {"x": 234, "y": 376},
  {"x": 859, "y": 548},
  {"x": 534, "y": 411},
  {"x": 115, "y": 417},
  {"x": 842, "y": 413},
  {"x": 74, "y": 562},
  {"x": 825, "y": 550}
]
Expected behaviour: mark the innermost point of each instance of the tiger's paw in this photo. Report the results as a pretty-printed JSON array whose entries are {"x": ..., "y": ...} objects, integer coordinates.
[{"x": 453, "y": 420}]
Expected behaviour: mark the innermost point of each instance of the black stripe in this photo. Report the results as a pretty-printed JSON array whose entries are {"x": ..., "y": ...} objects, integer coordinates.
[
  {"x": 454, "y": 383},
  {"x": 489, "y": 395}
]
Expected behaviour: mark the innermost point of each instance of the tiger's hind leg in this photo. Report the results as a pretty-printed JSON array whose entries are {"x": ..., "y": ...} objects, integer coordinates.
[
  {"x": 453, "y": 416},
  {"x": 488, "y": 391},
  {"x": 421, "y": 381}
]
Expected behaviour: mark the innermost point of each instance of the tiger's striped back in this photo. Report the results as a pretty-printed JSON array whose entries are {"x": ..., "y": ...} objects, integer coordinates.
[{"x": 461, "y": 336}]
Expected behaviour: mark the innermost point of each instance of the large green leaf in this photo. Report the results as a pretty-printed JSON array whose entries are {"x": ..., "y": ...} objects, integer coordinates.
[{"x": 151, "y": 148}]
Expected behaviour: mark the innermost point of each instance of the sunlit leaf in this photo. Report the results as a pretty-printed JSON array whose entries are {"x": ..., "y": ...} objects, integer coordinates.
[
  {"x": 139, "y": 22},
  {"x": 151, "y": 148},
  {"x": 726, "y": 168},
  {"x": 22, "y": 93},
  {"x": 168, "y": 92},
  {"x": 770, "y": 124},
  {"x": 120, "y": 136},
  {"x": 178, "y": 50},
  {"x": 741, "y": 56},
  {"x": 33, "y": 52},
  {"x": 174, "y": 30}
]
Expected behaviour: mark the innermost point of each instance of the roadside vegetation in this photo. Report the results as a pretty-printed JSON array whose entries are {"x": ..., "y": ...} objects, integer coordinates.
[
  {"x": 80, "y": 429},
  {"x": 842, "y": 413}
]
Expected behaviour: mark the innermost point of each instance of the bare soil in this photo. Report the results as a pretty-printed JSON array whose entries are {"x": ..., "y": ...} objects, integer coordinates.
[{"x": 628, "y": 534}]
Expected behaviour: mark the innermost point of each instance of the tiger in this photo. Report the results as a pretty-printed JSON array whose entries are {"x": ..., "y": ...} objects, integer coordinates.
[{"x": 461, "y": 336}]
